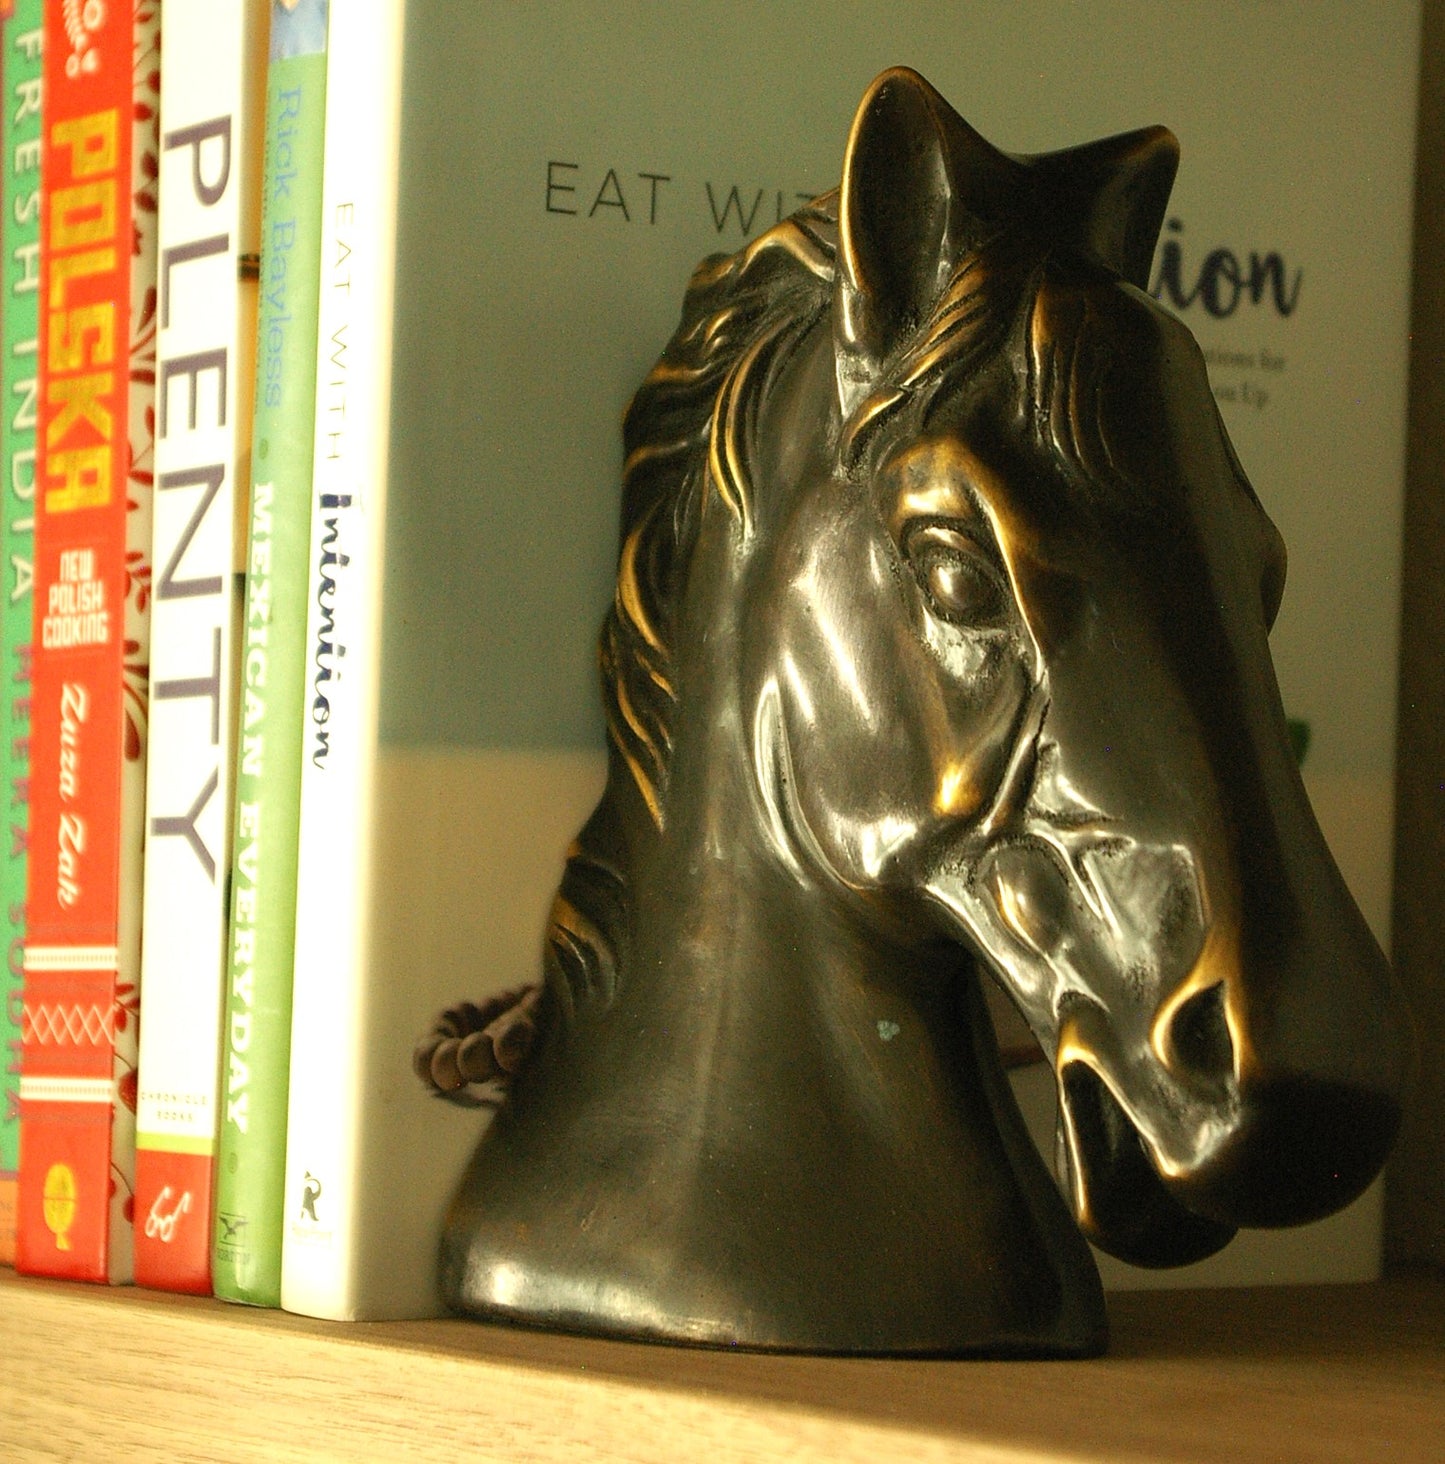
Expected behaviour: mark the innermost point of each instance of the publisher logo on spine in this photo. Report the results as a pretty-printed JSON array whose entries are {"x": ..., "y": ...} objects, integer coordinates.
[
  {"x": 58, "y": 1200},
  {"x": 83, "y": 18},
  {"x": 309, "y": 1227},
  {"x": 310, "y": 1193},
  {"x": 165, "y": 1215}
]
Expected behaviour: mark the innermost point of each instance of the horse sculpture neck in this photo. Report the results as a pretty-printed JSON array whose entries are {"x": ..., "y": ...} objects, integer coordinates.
[
  {"x": 674, "y": 1144},
  {"x": 770, "y": 1026}
]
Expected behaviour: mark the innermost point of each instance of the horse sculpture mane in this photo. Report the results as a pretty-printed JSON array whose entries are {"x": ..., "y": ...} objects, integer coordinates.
[
  {"x": 937, "y": 654},
  {"x": 686, "y": 436}
]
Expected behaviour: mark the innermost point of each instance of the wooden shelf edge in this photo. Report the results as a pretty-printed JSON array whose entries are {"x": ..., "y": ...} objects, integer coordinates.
[{"x": 1330, "y": 1373}]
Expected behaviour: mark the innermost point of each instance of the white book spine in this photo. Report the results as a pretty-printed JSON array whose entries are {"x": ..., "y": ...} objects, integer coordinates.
[
  {"x": 211, "y": 112},
  {"x": 331, "y": 998}
]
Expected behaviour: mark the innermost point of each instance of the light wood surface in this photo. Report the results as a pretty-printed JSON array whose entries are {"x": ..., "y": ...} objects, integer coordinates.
[{"x": 1350, "y": 1373}]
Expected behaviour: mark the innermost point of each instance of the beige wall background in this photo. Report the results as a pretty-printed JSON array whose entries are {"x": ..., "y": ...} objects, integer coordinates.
[{"x": 1415, "y": 1193}]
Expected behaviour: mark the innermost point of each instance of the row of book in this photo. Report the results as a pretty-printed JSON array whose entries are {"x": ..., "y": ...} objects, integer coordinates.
[
  {"x": 207, "y": 802},
  {"x": 177, "y": 645},
  {"x": 161, "y": 678},
  {"x": 315, "y": 349}
]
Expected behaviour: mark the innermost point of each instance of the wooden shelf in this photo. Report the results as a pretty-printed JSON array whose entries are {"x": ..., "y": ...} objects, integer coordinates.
[{"x": 1346, "y": 1373}]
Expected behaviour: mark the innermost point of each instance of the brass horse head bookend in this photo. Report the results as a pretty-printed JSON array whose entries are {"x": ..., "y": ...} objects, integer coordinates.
[{"x": 938, "y": 655}]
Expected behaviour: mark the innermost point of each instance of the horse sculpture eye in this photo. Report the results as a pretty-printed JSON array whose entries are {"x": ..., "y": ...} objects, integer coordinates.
[{"x": 960, "y": 586}]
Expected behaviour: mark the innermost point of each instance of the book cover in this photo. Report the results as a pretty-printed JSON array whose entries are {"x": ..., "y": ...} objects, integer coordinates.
[
  {"x": 20, "y": 133},
  {"x": 337, "y": 783},
  {"x": 547, "y": 218},
  {"x": 257, "y": 1029},
  {"x": 89, "y": 673},
  {"x": 208, "y": 230}
]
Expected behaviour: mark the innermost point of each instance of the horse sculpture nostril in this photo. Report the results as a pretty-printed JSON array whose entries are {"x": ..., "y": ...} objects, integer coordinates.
[{"x": 1197, "y": 1042}]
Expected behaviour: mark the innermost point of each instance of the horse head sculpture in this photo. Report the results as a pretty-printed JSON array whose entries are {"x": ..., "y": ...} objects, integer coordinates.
[{"x": 938, "y": 655}]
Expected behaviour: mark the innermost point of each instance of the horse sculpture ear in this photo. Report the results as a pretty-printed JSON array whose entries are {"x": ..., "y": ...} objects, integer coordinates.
[
  {"x": 920, "y": 186},
  {"x": 913, "y": 174},
  {"x": 1107, "y": 199}
]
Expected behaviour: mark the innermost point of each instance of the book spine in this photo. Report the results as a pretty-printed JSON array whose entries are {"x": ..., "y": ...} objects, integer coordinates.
[
  {"x": 331, "y": 999},
  {"x": 206, "y": 301},
  {"x": 90, "y": 669},
  {"x": 257, "y": 1032},
  {"x": 21, "y": 141}
]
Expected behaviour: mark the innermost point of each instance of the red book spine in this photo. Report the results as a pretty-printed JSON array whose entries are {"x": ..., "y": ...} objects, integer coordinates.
[{"x": 92, "y": 587}]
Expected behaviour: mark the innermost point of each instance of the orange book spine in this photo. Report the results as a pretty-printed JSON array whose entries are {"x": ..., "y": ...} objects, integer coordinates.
[{"x": 92, "y": 591}]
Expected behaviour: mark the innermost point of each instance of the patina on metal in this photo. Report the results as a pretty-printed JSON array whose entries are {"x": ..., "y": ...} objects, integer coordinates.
[{"x": 938, "y": 656}]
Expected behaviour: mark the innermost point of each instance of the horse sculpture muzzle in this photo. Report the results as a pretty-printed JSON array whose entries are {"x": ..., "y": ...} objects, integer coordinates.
[
  {"x": 1262, "y": 1088},
  {"x": 1227, "y": 1035}
]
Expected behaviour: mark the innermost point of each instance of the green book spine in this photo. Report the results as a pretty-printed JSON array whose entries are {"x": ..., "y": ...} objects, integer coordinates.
[
  {"x": 22, "y": 32},
  {"x": 255, "y": 1078}
]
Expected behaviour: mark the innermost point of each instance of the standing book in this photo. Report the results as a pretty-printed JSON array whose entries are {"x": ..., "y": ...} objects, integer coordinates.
[
  {"x": 515, "y": 196},
  {"x": 20, "y": 135},
  {"x": 257, "y": 1031},
  {"x": 209, "y": 186},
  {"x": 92, "y": 603}
]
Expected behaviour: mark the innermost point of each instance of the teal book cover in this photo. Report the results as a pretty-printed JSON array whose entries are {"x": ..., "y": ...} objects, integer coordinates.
[{"x": 557, "y": 173}]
